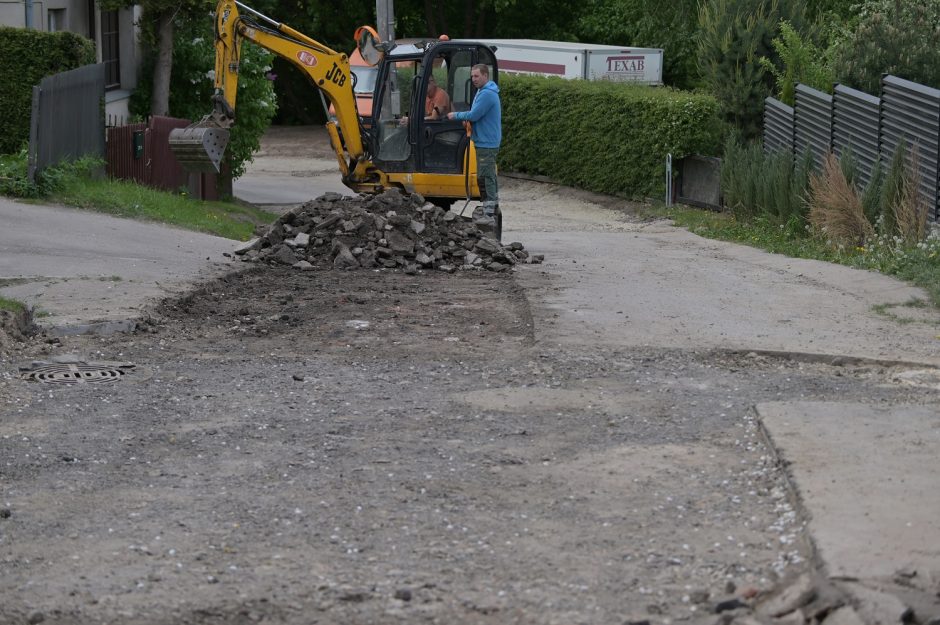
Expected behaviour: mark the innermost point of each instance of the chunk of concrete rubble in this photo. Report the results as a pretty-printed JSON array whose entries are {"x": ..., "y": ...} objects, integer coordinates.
[
  {"x": 875, "y": 606},
  {"x": 249, "y": 245},
  {"x": 789, "y": 597},
  {"x": 344, "y": 259},
  {"x": 392, "y": 230},
  {"x": 843, "y": 616},
  {"x": 284, "y": 255}
]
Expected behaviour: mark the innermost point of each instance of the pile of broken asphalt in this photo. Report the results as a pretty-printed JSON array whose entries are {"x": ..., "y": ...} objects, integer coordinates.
[{"x": 389, "y": 230}]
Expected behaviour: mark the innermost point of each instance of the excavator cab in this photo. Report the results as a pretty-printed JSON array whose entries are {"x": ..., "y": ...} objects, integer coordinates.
[{"x": 418, "y": 84}]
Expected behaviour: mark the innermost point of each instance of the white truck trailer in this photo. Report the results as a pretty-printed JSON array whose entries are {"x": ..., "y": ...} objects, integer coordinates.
[{"x": 579, "y": 60}]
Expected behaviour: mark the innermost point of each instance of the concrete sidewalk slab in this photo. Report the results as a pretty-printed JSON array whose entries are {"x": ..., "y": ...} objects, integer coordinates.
[
  {"x": 79, "y": 267},
  {"x": 867, "y": 476},
  {"x": 660, "y": 286}
]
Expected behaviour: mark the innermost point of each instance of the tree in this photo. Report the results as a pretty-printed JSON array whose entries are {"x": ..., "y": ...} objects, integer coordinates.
[
  {"x": 156, "y": 27},
  {"x": 649, "y": 24},
  {"x": 191, "y": 87},
  {"x": 890, "y": 37},
  {"x": 733, "y": 36}
]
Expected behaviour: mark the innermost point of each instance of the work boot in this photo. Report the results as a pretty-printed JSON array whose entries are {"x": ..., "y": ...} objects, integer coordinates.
[{"x": 485, "y": 223}]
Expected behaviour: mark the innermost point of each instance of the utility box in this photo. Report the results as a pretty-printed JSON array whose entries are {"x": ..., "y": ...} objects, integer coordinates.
[{"x": 579, "y": 60}]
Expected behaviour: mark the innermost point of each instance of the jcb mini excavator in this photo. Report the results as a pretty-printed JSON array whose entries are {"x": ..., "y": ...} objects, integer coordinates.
[{"x": 402, "y": 148}]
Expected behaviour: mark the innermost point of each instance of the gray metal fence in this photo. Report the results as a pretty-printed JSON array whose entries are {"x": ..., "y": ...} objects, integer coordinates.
[
  {"x": 855, "y": 126},
  {"x": 778, "y": 126},
  {"x": 812, "y": 123},
  {"x": 910, "y": 112},
  {"x": 873, "y": 127},
  {"x": 67, "y": 117}
]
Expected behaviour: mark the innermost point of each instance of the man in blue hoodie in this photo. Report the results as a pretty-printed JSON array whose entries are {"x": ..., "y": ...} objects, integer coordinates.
[{"x": 487, "y": 132}]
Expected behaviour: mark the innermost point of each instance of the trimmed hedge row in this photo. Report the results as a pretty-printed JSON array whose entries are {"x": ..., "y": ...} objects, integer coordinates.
[
  {"x": 602, "y": 136},
  {"x": 26, "y": 57}
]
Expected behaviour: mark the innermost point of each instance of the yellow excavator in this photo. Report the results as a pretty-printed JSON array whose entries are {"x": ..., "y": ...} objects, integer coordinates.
[{"x": 405, "y": 146}]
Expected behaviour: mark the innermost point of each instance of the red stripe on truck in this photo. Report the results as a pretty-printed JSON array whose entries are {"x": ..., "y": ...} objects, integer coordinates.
[{"x": 530, "y": 66}]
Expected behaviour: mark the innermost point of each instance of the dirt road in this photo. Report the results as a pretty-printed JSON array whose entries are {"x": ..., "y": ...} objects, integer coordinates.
[{"x": 375, "y": 447}]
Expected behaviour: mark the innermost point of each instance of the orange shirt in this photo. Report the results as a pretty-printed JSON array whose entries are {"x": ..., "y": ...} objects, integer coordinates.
[{"x": 440, "y": 100}]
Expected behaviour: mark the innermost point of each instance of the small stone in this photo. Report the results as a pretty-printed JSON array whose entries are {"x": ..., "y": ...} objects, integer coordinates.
[
  {"x": 345, "y": 260},
  {"x": 5, "y": 513},
  {"x": 35, "y": 617},
  {"x": 284, "y": 255},
  {"x": 247, "y": 246},
  {"x": 403, "y": 594},
  {"x": 297, "y": 377},
  {"x": 795, "y": 595},
  {"x": 729, "y": 604},
  {"x": 845, "y": 616}
]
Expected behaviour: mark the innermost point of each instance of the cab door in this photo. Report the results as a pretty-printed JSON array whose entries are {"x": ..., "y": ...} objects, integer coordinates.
[{"x": 442, "y": 144}]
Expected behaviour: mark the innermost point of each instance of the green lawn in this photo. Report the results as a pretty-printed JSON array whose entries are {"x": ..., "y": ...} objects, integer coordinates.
[{"x": 126, "y": 199}]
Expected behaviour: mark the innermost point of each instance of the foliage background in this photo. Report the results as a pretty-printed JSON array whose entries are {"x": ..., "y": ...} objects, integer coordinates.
[
  {"x": 191, "y": 88},
  {"x": 603, "y": 136},
  {"x": 26, "y": 57}
]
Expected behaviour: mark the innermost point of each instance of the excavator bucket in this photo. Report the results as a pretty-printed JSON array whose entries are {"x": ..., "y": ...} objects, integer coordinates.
[{"x": 199, "y": 148}]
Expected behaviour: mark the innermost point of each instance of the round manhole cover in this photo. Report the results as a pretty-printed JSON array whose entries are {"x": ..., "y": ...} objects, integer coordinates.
[{"x": 76, "y": 373}]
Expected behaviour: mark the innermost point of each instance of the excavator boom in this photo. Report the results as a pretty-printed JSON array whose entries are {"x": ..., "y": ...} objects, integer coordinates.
[{"x": 200, "y": 147}]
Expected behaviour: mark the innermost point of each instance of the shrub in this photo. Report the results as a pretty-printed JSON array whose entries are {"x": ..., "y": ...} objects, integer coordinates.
[
  {"x": 911, "y": 209},
  {"x": 836, "y": 207},
  {"x": 603, "y": 136},
  {"x": 26, "y": 57},
  {"x": 14, "y": 181},
  {"x": 889, "y": 37},
  {"x": 741, "y": 169},
  {"x": 768, "y": 186},
  {"x": 800, "y": 62},
  {"x": 871, "y": 198},
  {"x": 891, "y": 191}
]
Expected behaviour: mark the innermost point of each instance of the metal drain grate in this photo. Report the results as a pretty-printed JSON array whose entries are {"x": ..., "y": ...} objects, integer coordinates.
[{"x": 76, "y": 373}]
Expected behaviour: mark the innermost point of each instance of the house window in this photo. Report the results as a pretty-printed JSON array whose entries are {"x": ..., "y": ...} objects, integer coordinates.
[
  {"x": 111, "y": 49},
  {"x": 55, "y": 20}
]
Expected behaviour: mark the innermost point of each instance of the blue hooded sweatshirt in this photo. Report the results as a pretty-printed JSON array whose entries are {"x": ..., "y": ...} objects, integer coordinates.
[{"x": 486, "y": 115}]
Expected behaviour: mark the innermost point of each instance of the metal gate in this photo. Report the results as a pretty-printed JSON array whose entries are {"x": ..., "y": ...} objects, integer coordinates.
[{"x": 141, "y": 152}]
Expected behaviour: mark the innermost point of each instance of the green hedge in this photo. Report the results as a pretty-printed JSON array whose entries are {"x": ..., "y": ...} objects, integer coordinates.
[
  {"x": 602, "y": 136},
  {"x": 26, "y": 57}
]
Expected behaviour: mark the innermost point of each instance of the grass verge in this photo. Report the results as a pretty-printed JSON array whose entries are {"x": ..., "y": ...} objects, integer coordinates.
[
  {"x": 74, "y": 184},
  {"x": 126, "y": 199},
  {"x": 918, "y": 264},
  {"x": 12, "y": 305}
]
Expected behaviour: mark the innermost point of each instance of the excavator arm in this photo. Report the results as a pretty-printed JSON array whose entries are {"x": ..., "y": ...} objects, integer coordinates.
[{"x": 200, "y": 147}]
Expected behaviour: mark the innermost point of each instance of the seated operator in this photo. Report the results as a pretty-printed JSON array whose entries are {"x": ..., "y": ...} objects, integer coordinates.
[{"x": 437, "y": 103}]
